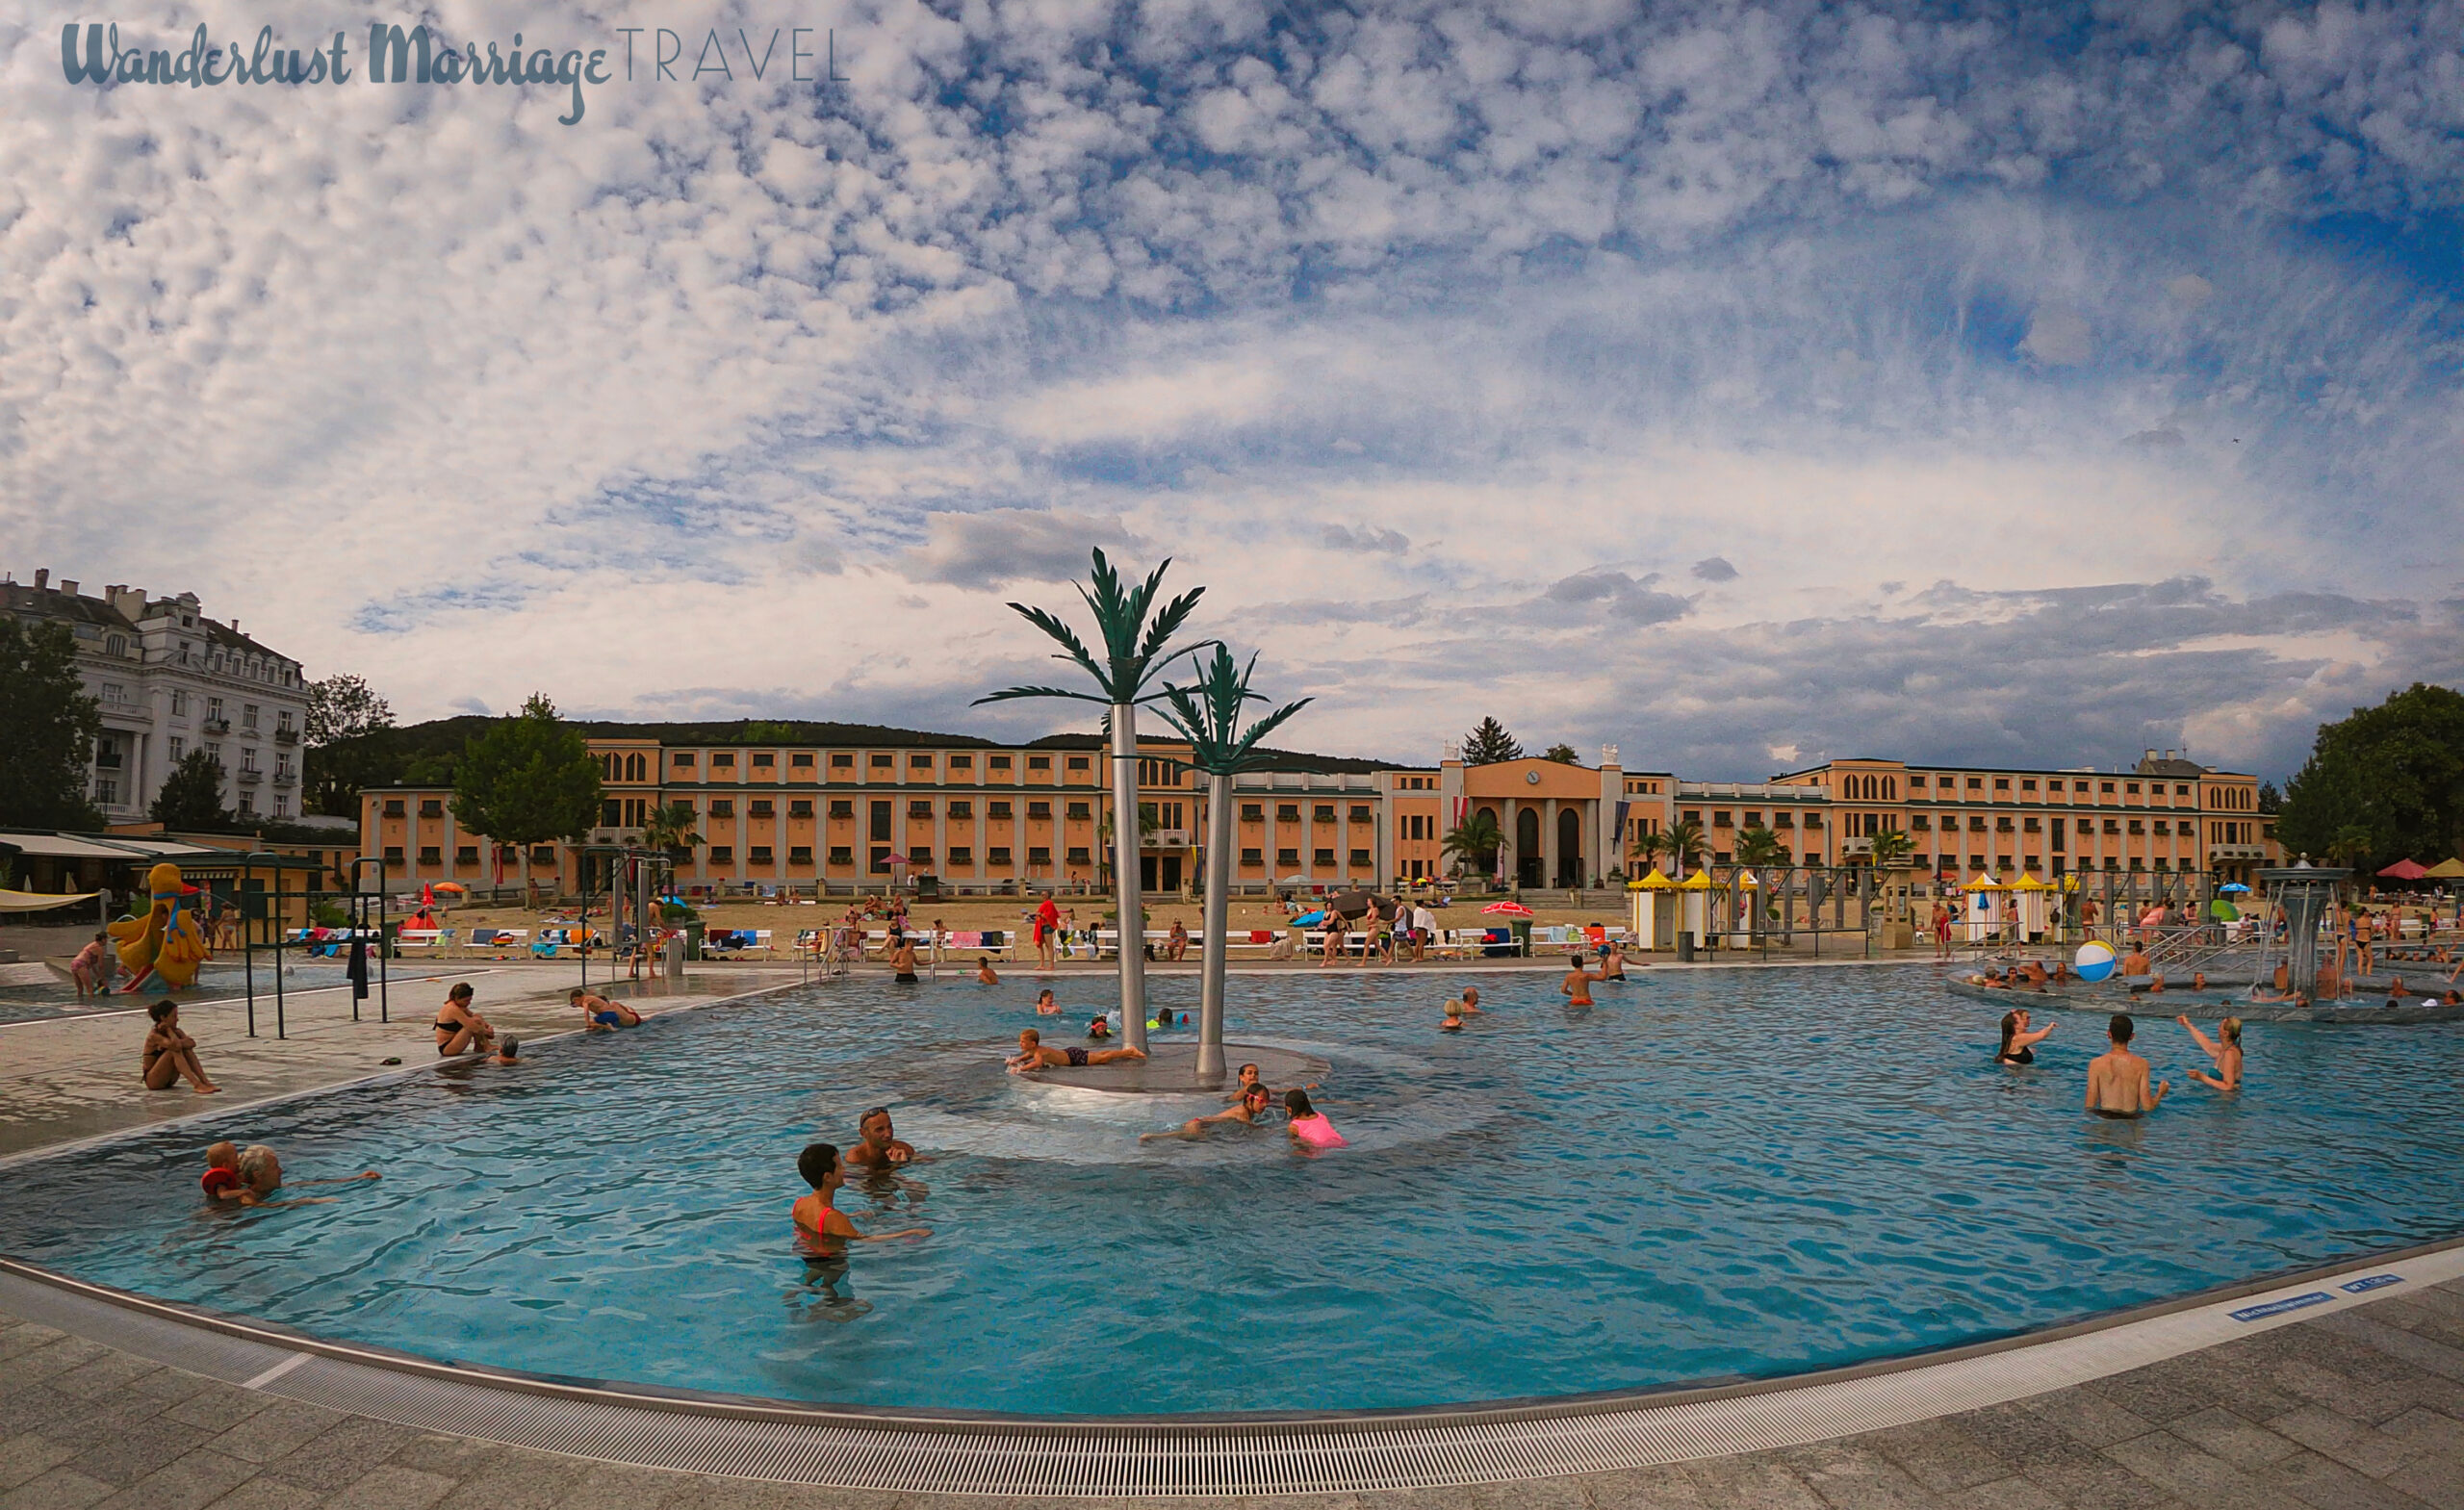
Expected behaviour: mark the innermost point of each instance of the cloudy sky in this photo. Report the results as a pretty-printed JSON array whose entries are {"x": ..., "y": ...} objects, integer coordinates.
[{"x": 1742, "y": 384}]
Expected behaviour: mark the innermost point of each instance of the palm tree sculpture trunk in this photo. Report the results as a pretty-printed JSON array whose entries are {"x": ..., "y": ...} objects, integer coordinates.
[
  {"x": 1134, "y": 646},
  {"x": 1208, "y": 714}
]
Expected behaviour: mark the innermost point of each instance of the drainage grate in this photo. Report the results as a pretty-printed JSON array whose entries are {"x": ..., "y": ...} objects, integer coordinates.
[{"x": 1071, "y": 1458}]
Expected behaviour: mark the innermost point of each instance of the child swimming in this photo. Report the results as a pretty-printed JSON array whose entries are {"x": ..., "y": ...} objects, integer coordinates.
[
  {"x": 822, "y": 1230},
  {"x": 1311, "y": 1132}
]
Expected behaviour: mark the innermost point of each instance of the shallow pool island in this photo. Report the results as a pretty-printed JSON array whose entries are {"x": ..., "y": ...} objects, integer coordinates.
[{"x": 1711, "y": 1176}]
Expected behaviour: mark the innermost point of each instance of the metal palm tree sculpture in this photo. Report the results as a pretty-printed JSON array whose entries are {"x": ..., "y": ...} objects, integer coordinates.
[
  {"x": 1208, "y": 714},
  {"x": 1136, "y": 640}
]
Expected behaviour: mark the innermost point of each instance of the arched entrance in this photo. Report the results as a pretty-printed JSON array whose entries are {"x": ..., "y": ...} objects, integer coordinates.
[
  {"x": 1526, "y": 849},
  {"x": 1569, "y": 847}
]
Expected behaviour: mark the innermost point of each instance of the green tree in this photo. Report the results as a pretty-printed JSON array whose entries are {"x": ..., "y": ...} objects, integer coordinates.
[
  {"x": 1564, "y": 754},
  {"x": 191, "y": 797},
  {"x": 670, "y": 828},
  {"x": 1208, "y": 714},
  {"x": 1476, "y": 841},
  {"x": 2391, "y": 773},
  {"x": 1682, "y": 843},
  {"x": 351, "y": 744},
  {"x": 1136, "y": 632},
  {"x": 528, "y": 780},
  {"x": 1891, "y": 847},
  {"x": 1758, "y": 847},
  {"x": 2270, "y": 799},
  {"x": 1489, "y": 744},
  {"x": 48, "y": 725}
]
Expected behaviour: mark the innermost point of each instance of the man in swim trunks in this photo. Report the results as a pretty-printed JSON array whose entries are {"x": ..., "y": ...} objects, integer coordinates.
[
  {"x": 1471, "y": 1001},
  {"x": 2136, "y": 965},
  {"x": 598, "y": 1015},
  {"x": 1576, "y": 987},
  {"x": 876, "y": 1144},
  {"x": 2117, "y": 1079},
  {"x": 1252, "y": 1109},
  {"x": 1034, "y": 1055},
  {"x": 902, "y": 960},
  {"x": 984, "y": 970}
]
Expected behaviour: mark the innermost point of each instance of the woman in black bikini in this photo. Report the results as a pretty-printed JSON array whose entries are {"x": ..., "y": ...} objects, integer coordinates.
[
  {"x": 2018, "y": 1044},
  {"x": 458, "y": 1029}
]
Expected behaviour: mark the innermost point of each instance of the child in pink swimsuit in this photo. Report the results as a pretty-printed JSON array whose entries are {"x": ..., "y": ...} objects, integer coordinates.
[{"x": 1309, "y": 1126}]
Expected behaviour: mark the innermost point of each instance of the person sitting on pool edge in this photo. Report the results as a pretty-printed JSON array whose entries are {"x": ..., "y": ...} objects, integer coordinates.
[
  {"x": 1033, "y": 1054},
  {"x": 877, "y": 1143},
  {"x": 2225, "y": 1051},
  {"x": 169, "y": 1053},
  {"x": 458, "y": 1029},
  {"x": 1252, "y": 1107},
  {"x": 1311, "y": 1132},
  {"x": 600, "y": 1014},
  {"x": 2118, "y": 1078},
  {"x": 2018, "y": 1044},
  {"x": 822, "y": 1230}
]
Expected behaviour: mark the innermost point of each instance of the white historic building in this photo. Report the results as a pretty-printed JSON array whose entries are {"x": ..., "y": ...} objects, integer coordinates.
[{"x": 171, "y": 680}]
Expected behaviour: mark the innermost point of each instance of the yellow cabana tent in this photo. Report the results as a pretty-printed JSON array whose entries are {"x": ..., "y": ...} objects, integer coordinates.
[{"x": 1655, "y": 909}]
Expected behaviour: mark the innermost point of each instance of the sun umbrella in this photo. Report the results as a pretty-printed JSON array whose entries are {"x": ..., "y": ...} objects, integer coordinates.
[
  {"x": 451, "y": 886},
  {"x": 1353, "y": 904},
  {"x": 2405, "y": 870},
  {"x": 1295, "y": 881},
  {"x": 894, "y": 859},
  {"x": 1507, "y": 909},
  {"x": 428, "y": 896},
  {"x": 2449, "y": 869}
]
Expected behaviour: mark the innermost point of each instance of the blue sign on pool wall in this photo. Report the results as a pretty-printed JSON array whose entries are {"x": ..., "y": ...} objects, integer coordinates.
[{"x": 2316, "y": 1297}]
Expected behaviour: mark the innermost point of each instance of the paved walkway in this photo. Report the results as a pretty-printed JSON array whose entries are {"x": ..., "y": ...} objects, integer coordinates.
[
  {"x": 68, "y": 1077},
  {"x": 2360, "y": 1410}
]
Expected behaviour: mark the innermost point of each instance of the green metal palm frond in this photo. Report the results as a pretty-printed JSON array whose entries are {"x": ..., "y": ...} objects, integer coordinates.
[
  {"x": 1132, "y": 647},
  {"x": 1208, "y": 714}
]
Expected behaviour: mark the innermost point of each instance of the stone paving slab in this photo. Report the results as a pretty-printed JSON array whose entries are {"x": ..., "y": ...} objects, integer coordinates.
[
  {"x": 62, "y": 1079},
  {"x": 2314, "y": 1416}
]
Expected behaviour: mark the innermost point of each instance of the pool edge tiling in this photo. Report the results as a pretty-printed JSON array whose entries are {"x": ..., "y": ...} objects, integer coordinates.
[{"x": 1076, "y": 1457}]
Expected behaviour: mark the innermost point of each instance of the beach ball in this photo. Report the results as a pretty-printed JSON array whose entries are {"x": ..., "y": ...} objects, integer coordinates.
[{"x": 2094, "y": 961}]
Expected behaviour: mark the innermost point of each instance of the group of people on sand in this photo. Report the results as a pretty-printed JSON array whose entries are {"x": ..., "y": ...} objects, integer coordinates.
[{"x": 2117, "y": 1079}]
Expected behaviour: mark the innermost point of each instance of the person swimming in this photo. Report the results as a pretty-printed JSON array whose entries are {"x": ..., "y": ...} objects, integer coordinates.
[
  {"x": 2117, "y": 1079},
  {"x": 2225, "y": 1051},
  {"x": 2019, "y": 1043},
  {"x": 984, "y": 972},
  {"x": 1252, "y": 1107},
  {"x": 1576, "y": 987},
  {"x": 1046, "y": 1004},
  {"x": 877, "y": 1142},
  {"x": 1311, "y": 1132},
  {"x": 1099, "y": 1027},
  {"x": 822, "y": 1230},
  {"x": 1453, "y": 1019}
]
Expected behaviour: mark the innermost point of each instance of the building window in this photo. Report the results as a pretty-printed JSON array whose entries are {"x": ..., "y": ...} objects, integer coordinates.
[
  {"x": 800, "y": 808},
  {"x": 963, "y": 811},
  {"x": 723, "y": 807},
  {"x": 961, "y": 763},
  {"x": 1288, "y": 858},
  {"x": 1359, "y": 813},
  {"x": 683, "y": 760},
  {"x": 1359, "y": 859},
  {"x": 842, "y": 806},
  {"x": 721, "y": 854},
  {"x": 107, "y": 792},
  {"x": 764, "y": 760},
  {"x": 762, "y": 808},
  {"x": 2136, "y": 827},
  {"x": 962, "y": 856},
  {"x": 1000, "y": 854},
  {"x": 882, "y": 762},
  {"x": 920, "y": 762},
  {"x": 1287, "y": 812},
  {"x": 996, "y": 762},
  {"x": 842, "y": 761},
  {"x": 542, "y": 855},
  {"x": 393, "y": 855},
  {"x": 1080, "y": 812},
  {"x": 1077, "y": 762},
  {"x": 1723, "y": 819},
  {"x": 920, "y": 855},
  {"x": 759, "y": 854},
  {"x": 2027, "y": 786},
  {"x": 2128, "y": 788},
  {"x": 178, "y": 747},
  {"x": 1038, "y": 763},
  {"x": 1038, "y": 855},
  {"x": 466, "y": 854},
  {"x": 1916, "y": 783},
  {"x": 801, "y": 761},
  {"x": 799, "y": 853},
  {"x": 724, "y": 760},
  {"x": 431, "y": 855},
  {"x": 431, "y": 807},
  {"x": 919, "y": 809},
  {"x": 2028, "y": 825},
  {"x": 1253, "y": 812},
  {"x": 1253, "y": 858},
  {"x": 841, "y": 855},
  {"x": 1322, "y": 859},
  {"x": 1039, "y": 810},
  {"x": 1078, "y": 854},
  {"x": 247, "y": 715},
  {"x": 1919, "y": 823},
  {"x": 997, "y": 811},
  {"x": 393, "y": 807}
]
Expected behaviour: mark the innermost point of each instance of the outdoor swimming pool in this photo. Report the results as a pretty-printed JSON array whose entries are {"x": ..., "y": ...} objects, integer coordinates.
[
  {"x": 1717, "y": 1173},
  {"x": 29, "y": 996}
]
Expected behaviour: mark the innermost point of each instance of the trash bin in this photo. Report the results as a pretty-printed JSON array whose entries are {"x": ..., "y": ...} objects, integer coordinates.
[
  {"x": 1685, "y": 947},
  {"x": 693, "y": 931},
  {"x": 1522, "y": 937}
]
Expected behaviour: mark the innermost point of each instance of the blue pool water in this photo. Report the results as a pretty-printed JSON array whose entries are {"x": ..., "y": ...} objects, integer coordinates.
[{"x": 1717, "y": 1173}]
